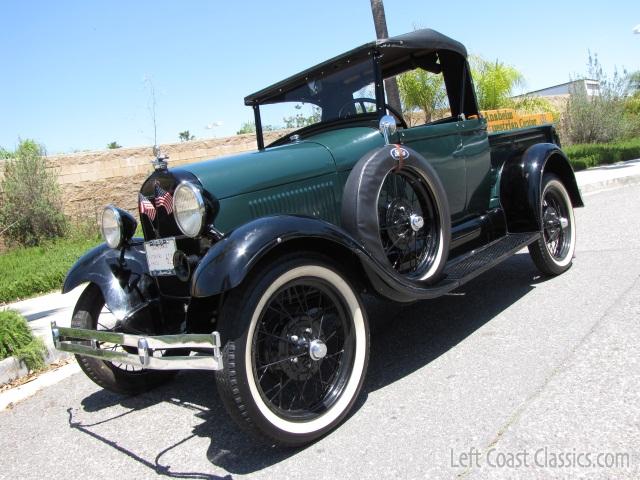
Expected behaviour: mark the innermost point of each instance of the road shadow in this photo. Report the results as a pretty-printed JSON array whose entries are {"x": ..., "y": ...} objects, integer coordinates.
[{"x": 403, "y": 340}]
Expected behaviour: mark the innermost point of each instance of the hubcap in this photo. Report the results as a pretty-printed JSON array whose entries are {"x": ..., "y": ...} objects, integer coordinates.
[
  {"x": 417, "y": 222},
  {"x": 317, "y": 350},
  {"x": 564, "y": 223}
]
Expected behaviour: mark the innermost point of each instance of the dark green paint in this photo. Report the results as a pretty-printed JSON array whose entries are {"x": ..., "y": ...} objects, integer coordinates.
[
  {"x": 308, "y": 177},
  {"x": 249, "y": 172}
]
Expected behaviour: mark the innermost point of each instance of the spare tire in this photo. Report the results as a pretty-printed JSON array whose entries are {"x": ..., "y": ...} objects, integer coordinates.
[{"x": 395, "y": 205}]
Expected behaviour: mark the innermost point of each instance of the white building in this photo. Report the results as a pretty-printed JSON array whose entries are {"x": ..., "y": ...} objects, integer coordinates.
[{"x": 591, "y": 87}]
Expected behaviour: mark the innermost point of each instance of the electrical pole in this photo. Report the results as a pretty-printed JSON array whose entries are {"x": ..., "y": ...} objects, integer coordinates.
[{"x": 380, "y": 23}]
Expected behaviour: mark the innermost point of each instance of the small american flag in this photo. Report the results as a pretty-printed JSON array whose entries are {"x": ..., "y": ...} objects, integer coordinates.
[
  {"x": 164, "y": 199},
  {"x": 146, "y": 207}
]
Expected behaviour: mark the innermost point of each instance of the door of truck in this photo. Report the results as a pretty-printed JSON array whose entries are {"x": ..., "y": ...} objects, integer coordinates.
[
  {"x": 477, "y": 158},
  {"x": 442, "y": 146}
]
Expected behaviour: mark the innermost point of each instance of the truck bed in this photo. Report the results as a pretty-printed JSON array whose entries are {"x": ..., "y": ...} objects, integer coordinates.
[{"x": 512, "y": 143}]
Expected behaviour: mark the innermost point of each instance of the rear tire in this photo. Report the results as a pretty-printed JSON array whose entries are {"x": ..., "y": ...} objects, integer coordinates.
[
  {"x": 106, "y": 374},
  {"x": 553, "y": 252},
  {"x": 296, "y": 350}
]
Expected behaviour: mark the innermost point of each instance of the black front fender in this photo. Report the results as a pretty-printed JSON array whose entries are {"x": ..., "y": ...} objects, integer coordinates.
[
  {"x": 124, "y": 282},
  {"x": 521, "y": 183},
  {"x": 229, "y": 261}
]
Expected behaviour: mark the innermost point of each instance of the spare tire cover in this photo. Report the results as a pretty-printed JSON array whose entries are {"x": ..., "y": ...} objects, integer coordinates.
[{"x": 361, "y": 213}]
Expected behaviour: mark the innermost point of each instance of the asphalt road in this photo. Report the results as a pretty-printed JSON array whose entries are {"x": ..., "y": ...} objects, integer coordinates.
[{"x": 512, "y": 366}]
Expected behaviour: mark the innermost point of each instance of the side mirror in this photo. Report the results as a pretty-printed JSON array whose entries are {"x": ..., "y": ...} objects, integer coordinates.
[{"x": 387, "y": 127}]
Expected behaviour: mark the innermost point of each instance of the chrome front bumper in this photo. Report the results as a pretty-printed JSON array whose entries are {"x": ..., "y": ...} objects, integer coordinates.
[{"x": 67, "y": 340}]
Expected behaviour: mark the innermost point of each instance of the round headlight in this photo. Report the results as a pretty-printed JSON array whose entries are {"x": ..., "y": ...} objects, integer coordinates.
[
  {"x": 112, "y": 226},
  {"x": 189, "y": 209}
]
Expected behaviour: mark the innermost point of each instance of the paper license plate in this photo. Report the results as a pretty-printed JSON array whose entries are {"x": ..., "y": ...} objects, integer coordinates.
[{"x": 160, "y": 256}]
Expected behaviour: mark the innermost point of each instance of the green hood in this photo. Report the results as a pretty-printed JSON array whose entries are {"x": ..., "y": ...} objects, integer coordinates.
[
  {"x": 252, "y": 171},
  {"x": 318, "y": 155}
]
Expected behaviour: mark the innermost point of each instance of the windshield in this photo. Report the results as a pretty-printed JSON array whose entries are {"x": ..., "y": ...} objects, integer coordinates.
[{"x": 344, "y": 93}]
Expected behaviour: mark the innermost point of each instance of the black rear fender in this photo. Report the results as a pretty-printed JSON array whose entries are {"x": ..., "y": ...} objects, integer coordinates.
[
  {"x": 521, "y": 183},
  {"x": 124, "y": 282}
]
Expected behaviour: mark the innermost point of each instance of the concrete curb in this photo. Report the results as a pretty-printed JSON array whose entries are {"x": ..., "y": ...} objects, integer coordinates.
[
  {"x": 610, "y": 183},
  {"x": 22, "y": 392},
  {"x": 11, "y": 368}
]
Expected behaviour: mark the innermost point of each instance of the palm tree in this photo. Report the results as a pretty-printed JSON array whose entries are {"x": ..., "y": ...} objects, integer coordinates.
[
  {"x": 495, "y": 82},
  {"x": 422, "y": 91},
  {"x": 380, "y": 23}
]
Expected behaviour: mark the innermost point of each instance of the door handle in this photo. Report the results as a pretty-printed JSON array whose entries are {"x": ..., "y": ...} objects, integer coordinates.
[{"x": 458, "y": 152}]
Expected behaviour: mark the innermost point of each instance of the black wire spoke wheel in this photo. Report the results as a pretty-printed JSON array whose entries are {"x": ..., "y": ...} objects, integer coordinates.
[
  {"x": 408, "y": 222},
  {"x": 107, "y": 322},
  {"x": 303, "y": 349},
  {"x": 296, "y": 343},
  {"x": 91, "y": 313},
  {"x": 553, "y": 252},
  {"x": 556, "y": 227}
]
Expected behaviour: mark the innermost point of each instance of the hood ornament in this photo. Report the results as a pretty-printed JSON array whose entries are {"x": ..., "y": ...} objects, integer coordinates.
[{"x": 160, "y": 162}]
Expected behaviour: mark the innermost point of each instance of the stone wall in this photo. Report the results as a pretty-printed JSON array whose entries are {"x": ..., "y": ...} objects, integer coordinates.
[{"x": 91, "y": 180}]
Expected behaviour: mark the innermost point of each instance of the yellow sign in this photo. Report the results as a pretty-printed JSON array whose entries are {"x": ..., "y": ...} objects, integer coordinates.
[{"x": 509, "y": 119}]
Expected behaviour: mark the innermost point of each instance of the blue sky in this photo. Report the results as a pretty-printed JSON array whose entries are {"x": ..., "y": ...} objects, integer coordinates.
[{"x": 74, "y": 72}]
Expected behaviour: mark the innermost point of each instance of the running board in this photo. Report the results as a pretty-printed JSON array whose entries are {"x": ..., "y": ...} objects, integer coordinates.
[
  {"x": 479, "y": 261},
  {"x": 457, "y": 272}
]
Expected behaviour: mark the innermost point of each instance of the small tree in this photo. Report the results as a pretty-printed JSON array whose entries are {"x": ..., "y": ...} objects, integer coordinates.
[
  {"x": 633, "y": 83},
  {"x": 4, "y": 154},
  {"x": 247, "y": 127},
  {"x": 186, "y": 136},
  {"x": 300, "y": 120},
  {"x": 113, "y": 145},
  {"x": 31, "y": 207},
  {"x": 250, "y": 127}
]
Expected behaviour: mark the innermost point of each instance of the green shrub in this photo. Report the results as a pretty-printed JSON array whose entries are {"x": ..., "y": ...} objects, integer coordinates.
[
  {"x": 17, "y": 340},
  {"x": 594, "y": 119},
  {"x": 582, "y": 163},
  {"x": 592, "y": 154},
  {"x": 27, "y": 271},
  {"x": 31, "y": 208}
]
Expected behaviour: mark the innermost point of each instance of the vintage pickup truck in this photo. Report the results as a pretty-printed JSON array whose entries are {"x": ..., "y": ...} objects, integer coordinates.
[{"x": 254, "y": 265}]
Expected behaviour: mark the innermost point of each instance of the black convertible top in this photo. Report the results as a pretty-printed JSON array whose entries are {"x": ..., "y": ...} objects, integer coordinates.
[{"x": 398, "y": 54}]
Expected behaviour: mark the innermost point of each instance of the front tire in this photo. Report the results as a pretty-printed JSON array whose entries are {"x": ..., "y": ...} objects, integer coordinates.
[
  {"x": 296, "y": 350},
  {"x": 123, "y": 379},
  {"x": 553, "y": 252}
]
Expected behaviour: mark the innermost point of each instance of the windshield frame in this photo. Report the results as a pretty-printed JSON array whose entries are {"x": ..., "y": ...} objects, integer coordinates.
[{"x": 374, "y": 59}]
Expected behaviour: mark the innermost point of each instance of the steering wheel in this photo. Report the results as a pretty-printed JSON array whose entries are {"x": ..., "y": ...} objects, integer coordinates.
[{"x": 362, "y": 100}]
